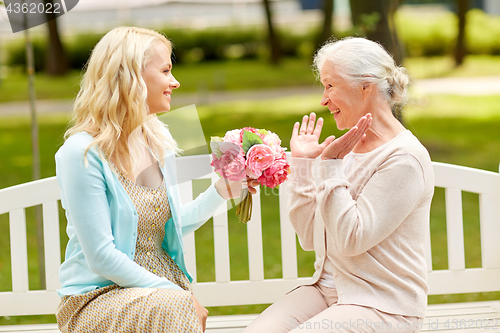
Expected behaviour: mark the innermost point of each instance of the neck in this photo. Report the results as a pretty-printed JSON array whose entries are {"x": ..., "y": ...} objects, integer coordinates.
[{"x": 384, "y": 128}]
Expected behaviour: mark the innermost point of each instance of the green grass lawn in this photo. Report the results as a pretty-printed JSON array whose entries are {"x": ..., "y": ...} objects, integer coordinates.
[
  {"x": 243, "y": 74},
  {"x": 444, "y": 124}
]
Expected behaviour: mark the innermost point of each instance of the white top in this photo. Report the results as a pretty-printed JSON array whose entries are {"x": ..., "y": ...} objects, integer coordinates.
[{"x": 370, "y": 223}]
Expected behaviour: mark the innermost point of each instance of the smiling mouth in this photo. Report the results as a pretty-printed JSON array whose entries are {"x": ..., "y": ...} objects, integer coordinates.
[
  {"x": 336, "y": 111},
  {"x": 166, "y": 94}
]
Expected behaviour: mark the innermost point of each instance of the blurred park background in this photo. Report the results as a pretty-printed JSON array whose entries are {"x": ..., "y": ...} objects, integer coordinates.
[{"x": 247, "y": 63}]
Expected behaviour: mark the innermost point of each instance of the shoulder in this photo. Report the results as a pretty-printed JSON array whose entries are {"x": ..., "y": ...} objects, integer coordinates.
[
  {"x": 74, "y": 149},
  {"x": 408, "y": 154},
  {"x": 407, "y": 144},
  {"x": 77, "y": 142}
]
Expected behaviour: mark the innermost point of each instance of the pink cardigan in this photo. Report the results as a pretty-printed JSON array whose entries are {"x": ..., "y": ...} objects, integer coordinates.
[{"x": 371, "y": 223}]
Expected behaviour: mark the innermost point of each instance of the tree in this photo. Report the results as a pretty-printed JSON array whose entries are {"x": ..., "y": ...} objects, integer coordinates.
[
  {"x": 375, "y": 20},
  {"x": 57, "y": 61},
  {"x": 274, "y": 45},
  {"x": 326, "y": 31},
  {"x": 30, "y": 71},
  {"x": 461, "y": 49}
]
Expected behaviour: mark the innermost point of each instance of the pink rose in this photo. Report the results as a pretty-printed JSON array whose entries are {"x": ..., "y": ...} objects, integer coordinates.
[
  {"x": 233, "y": 136},
  {"x": 272, "y": 139},
  {"x": 259, "y": 158},
  {"x": 276, "y": 174},
  {"x": 279, "y": 152},
  {"x": 231, "y": 165}
]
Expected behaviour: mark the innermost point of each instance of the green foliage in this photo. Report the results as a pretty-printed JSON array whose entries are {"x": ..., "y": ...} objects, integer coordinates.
[
  {"x": 435, "y": 34},
  {"x": 250, "y": 139},
  {"x": 427, "y": 36},
  {"x": 422, "y": 35},
  {"x": 16, "y": 53},
  {"x": 483, "y": 33},
  {"x": 79, "y": 48},
  {"x": 189, "y": 46}
]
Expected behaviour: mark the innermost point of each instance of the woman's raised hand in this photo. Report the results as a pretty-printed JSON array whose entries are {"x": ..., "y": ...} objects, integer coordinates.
[
  {"x": 346, "y": 143},
  {"x": 305, "y": 142}
]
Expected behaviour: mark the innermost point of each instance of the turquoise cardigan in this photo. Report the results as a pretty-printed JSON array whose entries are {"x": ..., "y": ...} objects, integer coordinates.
[{"x": 102, "y": 222}]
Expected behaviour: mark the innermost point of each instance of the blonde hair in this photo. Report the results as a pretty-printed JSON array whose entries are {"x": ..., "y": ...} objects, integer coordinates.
[
  {"x": 112, "y": 103},
  {"x": 359, "y": 60}
]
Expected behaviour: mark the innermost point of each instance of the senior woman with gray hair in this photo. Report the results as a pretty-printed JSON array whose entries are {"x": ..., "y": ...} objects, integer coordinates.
[{"x": 367, "y": 219}]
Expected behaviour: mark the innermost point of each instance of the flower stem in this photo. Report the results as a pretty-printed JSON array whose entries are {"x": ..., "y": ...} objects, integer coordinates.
[{"x": 244, "y": 208}]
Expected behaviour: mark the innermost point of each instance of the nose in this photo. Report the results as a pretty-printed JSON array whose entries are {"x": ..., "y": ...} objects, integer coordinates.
[
  {"x": 174, "y": 83},
  {"x": 325, "y": 99}
]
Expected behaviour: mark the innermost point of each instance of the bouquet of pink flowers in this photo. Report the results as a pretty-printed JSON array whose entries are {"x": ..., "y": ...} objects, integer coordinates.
[{"x": 256, "y": 153}]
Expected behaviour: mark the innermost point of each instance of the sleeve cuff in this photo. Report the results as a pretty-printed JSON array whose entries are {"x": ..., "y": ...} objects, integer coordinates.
[
  {"x": 301, "y": 170},
  {"x": 215, "y": 198}
]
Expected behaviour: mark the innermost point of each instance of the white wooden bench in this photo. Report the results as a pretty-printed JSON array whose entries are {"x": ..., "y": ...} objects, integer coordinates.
[{"x": 475, "y": 316}]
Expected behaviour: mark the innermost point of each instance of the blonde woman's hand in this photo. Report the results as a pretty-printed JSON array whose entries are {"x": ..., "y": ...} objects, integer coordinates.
[
  {"x": 305, "y": 141},
  {"x": 229, "y": 189},
  {"x": 346, "y": 143},
  {"x": 201, "y": 312}
]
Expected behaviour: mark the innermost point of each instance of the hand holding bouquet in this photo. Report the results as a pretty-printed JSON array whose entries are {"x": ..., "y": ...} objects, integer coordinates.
[{"x": 256, "y": 153}]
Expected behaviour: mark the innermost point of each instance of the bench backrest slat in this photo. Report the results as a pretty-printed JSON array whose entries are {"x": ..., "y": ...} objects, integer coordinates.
[
  {"x": 254, "y": 241},
  {"x": 489, "y": 212},
  {"x": 186, "y": 190},
  {"x": 51, "y": 243},
  {"x": 428, "y": 251},
  {"x": 18, "y": 250},
  {"x": 455, "y": 229},
  {"x": 288, "y": 237},
  {"x": 221, "y": 245}
]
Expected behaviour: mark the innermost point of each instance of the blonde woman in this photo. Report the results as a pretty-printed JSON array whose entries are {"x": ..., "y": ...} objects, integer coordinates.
[{"x": 124, "y": 269}]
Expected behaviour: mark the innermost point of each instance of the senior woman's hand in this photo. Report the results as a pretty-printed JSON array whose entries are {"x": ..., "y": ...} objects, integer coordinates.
[
  {"x": 305, "y": 142},
  {"x": 346, "y": 143}
]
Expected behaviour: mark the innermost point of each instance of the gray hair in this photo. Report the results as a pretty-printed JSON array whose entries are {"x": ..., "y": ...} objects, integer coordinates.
[{"x": 359, "y": 60}]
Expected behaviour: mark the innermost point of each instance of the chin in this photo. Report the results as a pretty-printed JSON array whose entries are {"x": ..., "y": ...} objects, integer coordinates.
[{"x": 341, "y": 127}]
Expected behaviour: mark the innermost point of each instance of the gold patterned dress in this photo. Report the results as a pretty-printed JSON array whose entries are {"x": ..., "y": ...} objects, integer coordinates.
[{"x": 117, "y": 309}]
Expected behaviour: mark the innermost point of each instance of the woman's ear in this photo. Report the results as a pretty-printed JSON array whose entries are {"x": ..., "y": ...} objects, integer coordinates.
[{"x": 367, "y": 89}]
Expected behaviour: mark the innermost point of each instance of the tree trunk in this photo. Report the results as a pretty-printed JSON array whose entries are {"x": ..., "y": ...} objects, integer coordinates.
[
  {"x": 326, "y": 32},
  {"x": 460, "y": 50},
  {"x": 272, "y": 36},
  {"x": 30, "y": 65},
  {"x": 57, "y": 62},
  {"x": 374, "y": 19}
]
